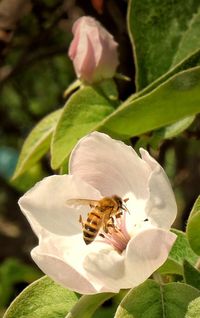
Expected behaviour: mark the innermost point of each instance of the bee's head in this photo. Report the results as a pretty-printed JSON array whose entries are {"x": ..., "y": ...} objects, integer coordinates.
[{"x": 120, "y": 202}]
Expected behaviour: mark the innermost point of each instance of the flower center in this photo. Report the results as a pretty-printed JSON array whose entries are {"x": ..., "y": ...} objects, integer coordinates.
[{"x": 117, "y": 234}]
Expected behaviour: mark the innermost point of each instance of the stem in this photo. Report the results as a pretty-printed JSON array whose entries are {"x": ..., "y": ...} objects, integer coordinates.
[{"x": 87, "y": 305}]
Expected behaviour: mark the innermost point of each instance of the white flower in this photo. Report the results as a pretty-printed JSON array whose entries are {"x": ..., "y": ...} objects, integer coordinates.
[{"x": 100, "y": 166}]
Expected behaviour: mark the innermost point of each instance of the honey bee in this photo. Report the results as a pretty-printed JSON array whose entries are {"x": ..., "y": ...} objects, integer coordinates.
[{"x": 100, "y": 216}]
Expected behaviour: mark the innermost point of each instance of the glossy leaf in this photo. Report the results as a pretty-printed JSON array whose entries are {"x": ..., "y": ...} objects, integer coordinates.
[
  {"x": 191, "y": 275},
  {"x": 193, "y": 227},
  {"x": 82, "y": 113},
  {"x": 37, "y": 143},
  {"x": 173, "y": 100},
  {"x": 162, "y": 34},
  {"x": 43, "y": 298},
  {"x": 151, "y": 299},
  {"x": 180, "y": 251}
]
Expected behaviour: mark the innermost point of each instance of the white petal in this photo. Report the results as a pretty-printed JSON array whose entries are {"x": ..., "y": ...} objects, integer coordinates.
[
  {"x": 68, "y": 254},
  {"x": 107, "y": 265},
  {"x": 61, "y": 272},
  {"x": 97, "y": 267},
  {"x": 45, "y": 204},
  {"x": 146, "y": 252},
  {"x": 111, "y": 167},
  {"x": 161, "y": 206}
]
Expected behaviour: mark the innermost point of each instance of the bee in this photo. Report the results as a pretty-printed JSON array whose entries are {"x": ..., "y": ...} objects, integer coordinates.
[{"x": 100, "y": 216}]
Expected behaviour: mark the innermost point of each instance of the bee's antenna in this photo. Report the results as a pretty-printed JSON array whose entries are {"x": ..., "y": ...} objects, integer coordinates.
[{"x": 124, "y": 207}]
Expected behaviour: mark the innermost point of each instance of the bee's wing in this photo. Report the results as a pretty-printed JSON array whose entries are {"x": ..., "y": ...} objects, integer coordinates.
[{"x": 76, "y": 202}]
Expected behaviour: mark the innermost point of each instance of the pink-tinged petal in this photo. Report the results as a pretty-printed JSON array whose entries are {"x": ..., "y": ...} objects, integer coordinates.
[
  {"x": 107, "y": 265},
  {"x": 111, "y": 167},
  {"x": 73, "y": 48},
  {"x": 45, "y": 205},
  {"x": 104, "y": 268},
  {"x": 87, "y": 63},
  {"x": 93, "y": 51},
  {"x": 68, "y": 254},
  {"x": 109, "y": 57},
  {"x": 61, "y": 272},
  {"x": 146, "y": 252},
  {"x": 161, "y": 206}
]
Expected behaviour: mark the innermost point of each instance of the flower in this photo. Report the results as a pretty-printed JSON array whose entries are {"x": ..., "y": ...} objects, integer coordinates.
[
  {"x": 140, "y": 240},
  {"x": 93, "y": 51}
]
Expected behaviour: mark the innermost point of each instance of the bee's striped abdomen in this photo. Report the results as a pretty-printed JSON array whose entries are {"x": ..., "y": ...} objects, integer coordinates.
[{"x": 91, "y": 227}]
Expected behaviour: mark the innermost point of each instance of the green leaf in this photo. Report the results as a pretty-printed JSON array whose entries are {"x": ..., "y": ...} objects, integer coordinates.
[
  {"x": 87, "y": 305},
  {"x": 82, "y": 113},
  {"x": 29, "y": 178},
  {"x": 173, "y": 100},
  {"x": 13, "y": 271},
  {"x": 190, "y": 37},
  {"x": 162, "y": 34},
  {"x": 195, "y": 209},
  {"x": 43, "y": 298},
  {"x": 153, "y": 300},
  {"x": 37, "y": 143},
  {"x": 193, "y": 309},
  {"x": 189, "y": 62},
  {"x": 191, "y": 275},
  {"x": 193, "y": 227},
  {"x": 175, "y": 129},
  {"x": 168, "y": 132},
  {"x": 180, "y": 251}
]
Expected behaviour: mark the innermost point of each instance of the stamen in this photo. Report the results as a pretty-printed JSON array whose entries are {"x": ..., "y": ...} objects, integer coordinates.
[{"x": 117, "y": 235}]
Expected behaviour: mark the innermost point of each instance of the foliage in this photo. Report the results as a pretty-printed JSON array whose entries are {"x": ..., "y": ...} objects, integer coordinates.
[
  {"x": 13, "y": 272},
  {"x": 43, "y": 298}
]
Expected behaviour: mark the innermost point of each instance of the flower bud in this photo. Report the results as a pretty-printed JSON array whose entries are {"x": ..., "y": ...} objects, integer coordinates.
[{"x": 93, "y": 51}]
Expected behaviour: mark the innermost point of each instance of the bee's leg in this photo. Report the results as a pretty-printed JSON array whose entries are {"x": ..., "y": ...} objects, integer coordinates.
[
  {"x": 105, "y": 228},
  {"x": 102, "y": 235},
  {"x": 105, "y": 221},
  {"x": 118, "y": 214},
  {"x": 81, "y": 221},
  {"x": 111, "y": 221},
  {"x": 110, "y": 224}
]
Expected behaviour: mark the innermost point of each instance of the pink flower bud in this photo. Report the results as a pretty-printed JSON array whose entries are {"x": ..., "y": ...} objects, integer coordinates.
[{"x": 93, "y": 51}]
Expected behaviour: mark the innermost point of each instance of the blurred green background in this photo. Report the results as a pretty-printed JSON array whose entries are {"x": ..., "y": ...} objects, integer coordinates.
[{"x": 34, "y": 73}]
